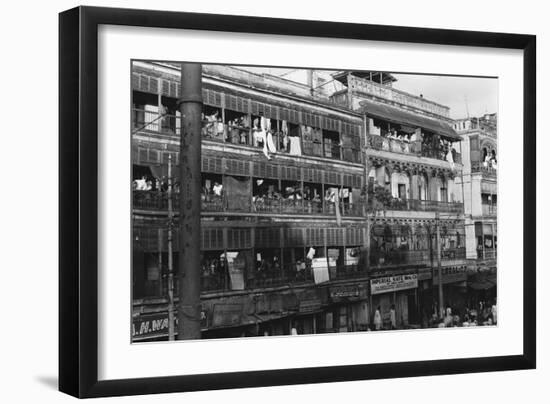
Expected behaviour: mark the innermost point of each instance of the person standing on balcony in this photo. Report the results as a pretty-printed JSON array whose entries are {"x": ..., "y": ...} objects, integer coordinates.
[{"x": 217, "y": 188}]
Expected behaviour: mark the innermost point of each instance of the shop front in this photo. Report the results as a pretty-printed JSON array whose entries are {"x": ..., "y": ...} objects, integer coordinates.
[
  {"x": 310, "y": 316},
  {"x": 398, "y": 293},
  {"x": 349, "y": 307},
  {"x": 455, "y": 291}
]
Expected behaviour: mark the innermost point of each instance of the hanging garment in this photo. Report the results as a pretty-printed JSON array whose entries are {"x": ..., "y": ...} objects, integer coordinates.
[
  {"x": 284, "y": 127},
  {"x": 450, "y": 159},
  {"x": 320, "y": 271},
  {"x": 265, "y": 123},
  {"x": 295, "y": 148},
  {"x": 377, "y": 320},
  {"x": 337, "y": 209},
  {"x": 285, "y": 142},
  {"x": 270, "y": 143},
  {"x": 265, "y": 151}
]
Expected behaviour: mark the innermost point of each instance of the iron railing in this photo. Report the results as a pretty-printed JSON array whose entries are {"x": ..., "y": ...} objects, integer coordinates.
[
  {"x": 412, "y": 148},
  {"x": 158, "y": 200},
  {"x": 485, "y": 168},
  {"x": 424, "y": 205},
  {"x": 489, "y": 209}
]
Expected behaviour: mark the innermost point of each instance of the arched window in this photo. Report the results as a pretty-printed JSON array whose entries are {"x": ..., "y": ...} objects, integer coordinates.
[{"x": 422, "y": 187}]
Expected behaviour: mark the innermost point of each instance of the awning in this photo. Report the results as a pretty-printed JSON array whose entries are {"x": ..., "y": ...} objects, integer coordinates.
[{"x": 399, "y": 116}]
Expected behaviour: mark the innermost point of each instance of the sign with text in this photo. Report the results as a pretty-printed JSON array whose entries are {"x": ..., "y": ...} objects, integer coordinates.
[
  {"x": 347, "y": 292},
  {"x": 393, "y": 283},
  {"x": 148, "y": 326},
  {"x": 226, "y": 315},
  {"x": 156, "y": 325}
]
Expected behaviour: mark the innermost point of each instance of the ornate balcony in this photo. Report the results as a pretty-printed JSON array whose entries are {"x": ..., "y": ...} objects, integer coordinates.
[
  {"x": 485, "y": 168},
  {"x": 414, "y": 148}
]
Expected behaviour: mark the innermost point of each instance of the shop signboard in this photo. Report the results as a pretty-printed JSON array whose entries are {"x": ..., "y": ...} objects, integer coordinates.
[
  {"x": 310, "y": 305},
  {"x": 393, "y": 283},
  {"x": 224, "y": 315},
  {"x": 310, "y": 300},
  {"x": 151, "y": 325},
  {"x": 347, "y": 293},
  {"x": 156, "y": 325}
]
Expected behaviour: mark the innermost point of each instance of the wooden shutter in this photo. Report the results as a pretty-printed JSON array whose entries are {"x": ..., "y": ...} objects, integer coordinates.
[
  {"x": 211, "y": 239},
  {"x": 238, "y": 238},
  {"x": 335, "y": 236},
  {"x": 212, "y": 164},
  {"x": 135, "y": 81},
  {"x": 293, "y": 237},
  {"x": 315, "y": 237},
  {"x": 290, "y": 173},
  {"x": 267, "y": 237},
  {"x": 237, "y": 167}
]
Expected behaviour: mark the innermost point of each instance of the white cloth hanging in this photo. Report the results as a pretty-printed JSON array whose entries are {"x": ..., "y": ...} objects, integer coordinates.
[
  {"x": 450, "y": 159},
  {"x": 295, "y": 148},
  {"x": 270, "y": 143},
  {"x": 284, "y": 127}
]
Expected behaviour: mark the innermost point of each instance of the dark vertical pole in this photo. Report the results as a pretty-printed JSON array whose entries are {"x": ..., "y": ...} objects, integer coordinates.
[
  {"x": 190, "y": 105},
  {"x": 439, "y": 275}
]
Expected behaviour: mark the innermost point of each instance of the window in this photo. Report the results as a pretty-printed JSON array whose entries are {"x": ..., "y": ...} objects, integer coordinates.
[
  {"x": 402, "y": 191},
  {"x": 443, "y": 194}
]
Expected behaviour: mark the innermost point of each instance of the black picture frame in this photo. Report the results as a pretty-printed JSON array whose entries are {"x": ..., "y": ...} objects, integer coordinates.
[{"x": 78, "y": 196}]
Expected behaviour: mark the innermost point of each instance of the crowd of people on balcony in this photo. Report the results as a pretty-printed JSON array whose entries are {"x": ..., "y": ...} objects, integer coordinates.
[
  {"x": 407, "y": 141},
  {"x": 269, "y": 195},
  {"x": 269, "y": 135},
  {"x": 394, "y": 246}
]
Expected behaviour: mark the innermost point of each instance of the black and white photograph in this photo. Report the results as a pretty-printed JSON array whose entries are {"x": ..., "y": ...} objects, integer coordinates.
[{"x": 327, "y": 201}]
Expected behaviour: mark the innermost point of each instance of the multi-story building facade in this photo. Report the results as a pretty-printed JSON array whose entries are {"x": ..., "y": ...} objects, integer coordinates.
[
  {"x": 413, "y": 169},
  {"x": 316, "y": 208},
  {"x": 479, "y": 143}
]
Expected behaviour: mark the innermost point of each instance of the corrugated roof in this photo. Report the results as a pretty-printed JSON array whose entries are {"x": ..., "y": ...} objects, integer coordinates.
[{"x": 399, "y": 116}]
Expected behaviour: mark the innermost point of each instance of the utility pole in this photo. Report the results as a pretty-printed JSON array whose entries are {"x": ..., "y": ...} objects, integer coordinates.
[
  {"x": 171, "y": 331},
  {"x": 190, "y": 105},
  {"x": 438, "y": 256}
]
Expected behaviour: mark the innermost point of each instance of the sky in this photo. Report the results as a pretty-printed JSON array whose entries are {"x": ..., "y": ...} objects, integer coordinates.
[{"x": 465, "y": 96}]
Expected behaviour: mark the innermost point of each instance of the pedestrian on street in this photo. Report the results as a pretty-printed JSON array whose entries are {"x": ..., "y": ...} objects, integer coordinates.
[
  {"x": 393, "y": 320},
  {"x": 377, "y": 319}
]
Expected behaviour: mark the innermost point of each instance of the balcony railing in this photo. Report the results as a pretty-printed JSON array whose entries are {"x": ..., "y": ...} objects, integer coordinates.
[
  {"x": 398, "y": 257},
  {"x": 488, "y": 253},
  {"x": 154, "y": 122},
  {"x": 158, "y": 201},
  {"x": 425, "y": 206},
  {"x": 489, "y": 209},
  {"x": 411, "y": 148},
  {"x": 170, "y": 125},
  {"x": 485, "y": 168},
  {"x": 418, "y": 257},
  {"x": 350, "y": 272}
]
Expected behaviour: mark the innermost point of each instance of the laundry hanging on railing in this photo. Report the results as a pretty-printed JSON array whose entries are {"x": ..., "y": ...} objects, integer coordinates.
[{"x": 295, "y": 148}]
